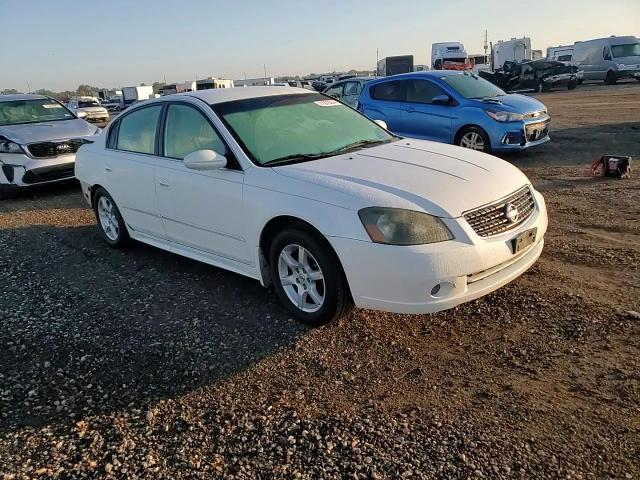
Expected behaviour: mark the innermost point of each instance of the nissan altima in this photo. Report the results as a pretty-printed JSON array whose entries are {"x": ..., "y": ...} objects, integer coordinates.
[{"x": 313, "y": 199}]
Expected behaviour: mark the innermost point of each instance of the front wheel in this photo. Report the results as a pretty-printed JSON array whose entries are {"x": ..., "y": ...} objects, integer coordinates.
[
  {"x": 572, "y": 85},
  {"x": 110, "y": 223},
  {"x": 610, "y": 79},
  {"x": 474, "y": 138},
  {"x": 307, "y": 278}
]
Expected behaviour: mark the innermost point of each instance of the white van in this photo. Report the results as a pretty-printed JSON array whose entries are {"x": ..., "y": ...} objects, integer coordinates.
[
  {"x": 562, "y": 53},
  {"x": 608, "y": 59}
]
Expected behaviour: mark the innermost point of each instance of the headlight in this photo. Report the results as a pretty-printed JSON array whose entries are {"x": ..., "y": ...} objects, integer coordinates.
[
  {"x": 7, "y": 146},
  {"x": 505, "y": 116},
  {"x": 395, "y": 226}
]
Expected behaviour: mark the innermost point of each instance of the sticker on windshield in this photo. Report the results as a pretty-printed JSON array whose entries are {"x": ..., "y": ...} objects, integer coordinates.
[
  {"x": 51, "y": 105},
  {"x": 327, "y": 103}
]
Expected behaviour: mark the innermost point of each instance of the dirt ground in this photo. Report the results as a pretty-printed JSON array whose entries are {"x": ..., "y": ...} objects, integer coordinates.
[{"x": 143, "y": 364}]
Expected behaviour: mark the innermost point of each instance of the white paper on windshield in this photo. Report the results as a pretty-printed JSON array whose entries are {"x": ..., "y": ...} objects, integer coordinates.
[
  {"x": 327, "y": 103},
  {"x": 52, "y": 105}
]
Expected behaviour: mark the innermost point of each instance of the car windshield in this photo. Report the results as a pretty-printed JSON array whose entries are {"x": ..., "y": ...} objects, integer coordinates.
[
  {"x": 32, "y": 111},
  {"x": 293, "y": 128},
  {"x": 628, "y": 50},
  {"x": 472, "y": 86},
  {"x": 87, "y": 103}
]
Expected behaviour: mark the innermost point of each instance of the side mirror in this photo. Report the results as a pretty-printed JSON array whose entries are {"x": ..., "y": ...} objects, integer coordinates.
[
  {"x": 81, "y": 114},
  {"x": 205, "y": 160},
  {"x": 381, "y": 123},
  {"x": 441, "y": 100}
]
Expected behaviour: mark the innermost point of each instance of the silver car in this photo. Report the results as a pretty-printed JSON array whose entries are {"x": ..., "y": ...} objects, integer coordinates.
[
  {"x": 609, "y": 59},
  {"x": 348, "y": 91},
  {"x": 39, "y": 138}
]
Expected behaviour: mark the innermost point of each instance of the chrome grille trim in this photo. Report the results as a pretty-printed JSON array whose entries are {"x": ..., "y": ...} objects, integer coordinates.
[{"x": 491, "y": 219}]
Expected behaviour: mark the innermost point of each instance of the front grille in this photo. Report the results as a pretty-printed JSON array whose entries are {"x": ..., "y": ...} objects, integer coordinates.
[
  {"x": 49, "y": 174},
  {"x": 536, "y": 131},
  {"x": 536, "y": 114},
  {"x": 492, "y": 219},
  {"x": 53, "y": 149}
]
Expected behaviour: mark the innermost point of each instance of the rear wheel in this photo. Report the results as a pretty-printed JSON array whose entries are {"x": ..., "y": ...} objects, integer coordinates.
[
  {"x": 474, "y": 138},
  {"x": 572, "y": 85},
  {"x": 610, "y": 78},
  {"x": 110, "y": 222},
  {"x": 308, "y": 279}
]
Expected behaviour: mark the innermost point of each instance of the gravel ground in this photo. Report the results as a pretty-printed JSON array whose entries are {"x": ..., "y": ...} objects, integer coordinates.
[{"x": 143, "y": 364}]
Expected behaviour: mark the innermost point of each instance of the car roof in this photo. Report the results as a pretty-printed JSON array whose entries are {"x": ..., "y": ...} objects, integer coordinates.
[
  {"x": 21, "y": 96},
  {"x": 432, "y": 74},
  {"x": 221, "y": 95}
]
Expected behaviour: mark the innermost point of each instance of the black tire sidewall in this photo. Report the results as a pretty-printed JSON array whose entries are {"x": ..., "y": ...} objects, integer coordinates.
[
  {"x": 481, "y": 132},
  {"x": 335, "y": 285},
  {"x": 123, "y": 235}
]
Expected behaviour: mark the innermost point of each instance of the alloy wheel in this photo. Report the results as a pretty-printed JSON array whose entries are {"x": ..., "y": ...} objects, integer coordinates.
[
  {"x": 108, "y": 219},
  {"x": 472, "y": 140},
  {"x": 301, "y": 278}
]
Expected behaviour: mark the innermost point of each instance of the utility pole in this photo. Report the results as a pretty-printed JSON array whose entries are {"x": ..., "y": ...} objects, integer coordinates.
[
  {"x": 265, "y": 73},
  {"x": 485, "y": 43},
  {"x": 28, "y": 87},
  {"x": 377, "y": 60}
]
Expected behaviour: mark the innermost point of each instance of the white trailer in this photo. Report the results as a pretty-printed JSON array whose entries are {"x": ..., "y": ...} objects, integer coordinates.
[
  {"x": 136, "y": 94},
  {"x": 448, "y": 56},
  {"x": 514, "y": 50},
  {"x": 561, "y": 53}
]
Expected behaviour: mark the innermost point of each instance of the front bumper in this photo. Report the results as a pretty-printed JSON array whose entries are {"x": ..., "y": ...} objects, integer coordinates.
[
  {"x": 20, "y": 170},
  {"x": 628, "y": 73},
  {"x": 401, "y": 279},
  {"x": 523, "y": 136}
]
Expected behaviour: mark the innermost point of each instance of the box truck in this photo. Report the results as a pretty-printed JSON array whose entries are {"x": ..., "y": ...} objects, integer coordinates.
[
  {"x": 395, "y": 65},
  {"x": 136, "y": 94}
]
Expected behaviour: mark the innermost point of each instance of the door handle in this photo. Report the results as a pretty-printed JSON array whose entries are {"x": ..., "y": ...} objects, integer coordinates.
[
  {"x": 163, "y": 182},
  {"x": 108, "y": 169}
]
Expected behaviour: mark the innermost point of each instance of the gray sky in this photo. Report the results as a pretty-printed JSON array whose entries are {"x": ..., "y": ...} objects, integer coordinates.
[{"x": 61, "y": 44}]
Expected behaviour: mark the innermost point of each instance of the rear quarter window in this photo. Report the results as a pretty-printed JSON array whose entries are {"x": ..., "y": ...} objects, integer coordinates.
[{"x": 393, "y": 91}]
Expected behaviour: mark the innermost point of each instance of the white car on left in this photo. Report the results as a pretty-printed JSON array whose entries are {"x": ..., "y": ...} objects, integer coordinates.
[
  {"x": 91, "y": 108},
  {"x": 39, "y": 138}
]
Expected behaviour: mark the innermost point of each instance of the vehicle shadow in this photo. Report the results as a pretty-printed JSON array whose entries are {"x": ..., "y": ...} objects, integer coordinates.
[
  {"x": 580, "y": 146},
  {"x": 86, "y": 329}
]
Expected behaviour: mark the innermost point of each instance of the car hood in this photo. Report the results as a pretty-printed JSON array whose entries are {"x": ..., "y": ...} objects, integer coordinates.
[
  {"x": 514, "y": 102},
  {"x": 46, "y": 131},
  {"x": 439, "y": 179}
]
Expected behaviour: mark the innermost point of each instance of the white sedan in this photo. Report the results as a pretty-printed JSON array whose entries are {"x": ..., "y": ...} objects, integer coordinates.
[{"x": 312, "y": 198}]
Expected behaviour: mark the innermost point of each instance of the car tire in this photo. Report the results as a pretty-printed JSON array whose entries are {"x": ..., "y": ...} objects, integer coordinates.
[
  {"x": 580, "y": 82},
  {"x": 313, "y": 288},
  {"x": 572, "y": 85},
  {"x": 610, "y": 79},
  {"x": 110, "y": 223},
  {"x": 474, "y": 138}
]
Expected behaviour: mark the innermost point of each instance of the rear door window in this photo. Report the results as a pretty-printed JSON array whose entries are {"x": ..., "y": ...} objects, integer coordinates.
[
  {"x": 137, "y": 132},
  {"x": 422, "y": 91},
  {"x": 392, "y": 91}
]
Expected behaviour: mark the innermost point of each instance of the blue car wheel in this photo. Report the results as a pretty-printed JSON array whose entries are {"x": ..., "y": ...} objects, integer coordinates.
[{"x": 474, "y": 138}]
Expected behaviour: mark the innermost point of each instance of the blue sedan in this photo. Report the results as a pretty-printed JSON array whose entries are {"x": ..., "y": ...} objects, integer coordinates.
[{"x": 456, "y": 107}]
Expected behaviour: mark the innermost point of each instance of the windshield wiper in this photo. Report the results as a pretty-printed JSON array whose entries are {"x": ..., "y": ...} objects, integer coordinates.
[
  {"x": 358, "y": 144},
  {"x": 295, "y": 157},
  {"x": 300, "y": 157}
]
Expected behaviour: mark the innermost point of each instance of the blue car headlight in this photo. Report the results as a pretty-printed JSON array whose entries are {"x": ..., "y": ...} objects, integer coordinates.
[{"x": 505, "y": 116}]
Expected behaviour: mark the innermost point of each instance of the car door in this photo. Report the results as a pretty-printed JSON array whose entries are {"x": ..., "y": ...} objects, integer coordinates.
[
  {"x": 421, "y": 118},
  {"x": 129, "y": 168},
  {"x": 387, "y": 103},
  {"x": 351, "y": 93},
  {"x": 201, "y": 209}
]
